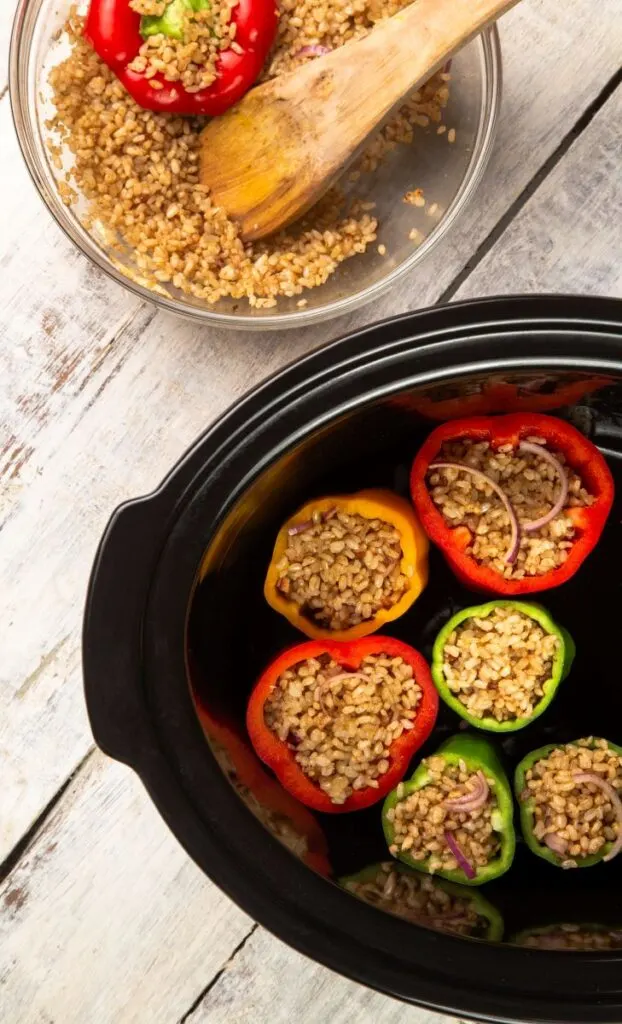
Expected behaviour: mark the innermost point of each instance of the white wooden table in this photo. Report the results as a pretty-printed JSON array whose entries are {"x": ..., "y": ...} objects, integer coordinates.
[{"x": 103, "y": 919}]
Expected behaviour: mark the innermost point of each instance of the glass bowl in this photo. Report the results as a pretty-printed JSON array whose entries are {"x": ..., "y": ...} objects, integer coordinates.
[{"x": 447, "y": 172}]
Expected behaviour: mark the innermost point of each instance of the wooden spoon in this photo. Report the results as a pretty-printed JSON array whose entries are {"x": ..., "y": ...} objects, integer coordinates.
[{"x": 273, "y": 155}]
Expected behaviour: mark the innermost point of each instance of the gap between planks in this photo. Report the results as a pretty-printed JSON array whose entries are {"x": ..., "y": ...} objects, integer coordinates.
[{"x": 538, "y": 179}]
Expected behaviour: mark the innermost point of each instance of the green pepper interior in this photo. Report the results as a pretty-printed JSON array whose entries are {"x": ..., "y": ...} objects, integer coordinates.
[{"x": 171, "y": 23}]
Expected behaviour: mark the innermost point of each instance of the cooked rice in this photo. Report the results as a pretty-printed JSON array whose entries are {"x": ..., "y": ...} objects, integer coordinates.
[
  {"x": 192, "y": 59},
  {"x": 497, "y": 665},
  {"x": 579, "y": 813},
  {"x": 341, "y": 724},
  {"x": 420, "y": 820},
  {"x": 342, "y": 569},
  {"x": 139, "y": 172},
  {"x": 574, "y": 937},
  {"x": 532, "y": 486},
  {"x": 419, "y": 899}
]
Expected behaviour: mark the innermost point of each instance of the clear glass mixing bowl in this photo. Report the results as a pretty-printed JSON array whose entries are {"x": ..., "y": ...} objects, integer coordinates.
[{"x": 447, "y": 173}]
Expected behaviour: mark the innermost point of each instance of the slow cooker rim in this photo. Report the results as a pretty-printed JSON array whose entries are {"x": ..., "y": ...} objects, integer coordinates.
[{"x": 154, "y": 784}]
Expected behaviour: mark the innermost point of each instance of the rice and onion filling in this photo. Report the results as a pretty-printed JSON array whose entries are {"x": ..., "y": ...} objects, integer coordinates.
[
  {"x": 575, "y": 937},
  {"x": 509, "y": 490},
  {"x": 342, "y": 568},
  {"x": 497, "y": 665},
  {"x": 429, "y": 825},
  {"x": 340, "y": 724},
  {"x": 575, "y": 795},
  {"x": 419, "y": 899}
]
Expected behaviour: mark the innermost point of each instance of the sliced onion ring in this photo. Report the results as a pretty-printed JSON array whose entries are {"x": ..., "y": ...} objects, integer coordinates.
[
  {"x": 512, "y": 551},
  {"x": 609, "y": 791},
  {"x": 556, "y": 843},
  {"x": 300, "y": 528},
  {"x": 468, "y": 868},
  {"x": 473, "y": 799},
  {"x": 544, "y": 453}
]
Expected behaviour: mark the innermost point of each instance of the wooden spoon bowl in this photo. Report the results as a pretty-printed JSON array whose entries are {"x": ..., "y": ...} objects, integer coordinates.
[{"x": 273, "y": 155}]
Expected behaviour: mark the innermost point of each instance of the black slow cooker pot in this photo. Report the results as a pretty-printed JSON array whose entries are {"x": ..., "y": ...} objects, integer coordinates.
[{"x": 176, "y": 617}]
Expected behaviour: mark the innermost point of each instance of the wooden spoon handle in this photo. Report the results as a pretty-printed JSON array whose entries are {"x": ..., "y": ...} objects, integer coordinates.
[
  {"x": 360, "y": 83},
  {"x": 438, "y": 27}
]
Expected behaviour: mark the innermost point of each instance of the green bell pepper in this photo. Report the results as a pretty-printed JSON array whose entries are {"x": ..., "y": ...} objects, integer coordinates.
[
  {"x": 560, "y": 669},
  {"x": 527, "y": 808},
  {"x": 490, "y": 926},
  {"x": 479, "y": 755}
]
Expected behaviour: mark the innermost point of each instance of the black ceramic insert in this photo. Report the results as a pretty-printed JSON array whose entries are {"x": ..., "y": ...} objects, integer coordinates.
[{"x": 178, "y": 580}]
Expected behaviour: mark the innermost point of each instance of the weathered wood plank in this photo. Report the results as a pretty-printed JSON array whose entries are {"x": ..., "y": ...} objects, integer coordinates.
[
  {"x": 77, "y": 394},
  {"x": 267, "y": 981},
  {"x": 106, "y": 920},
  {"x": 568, "y": 237}
]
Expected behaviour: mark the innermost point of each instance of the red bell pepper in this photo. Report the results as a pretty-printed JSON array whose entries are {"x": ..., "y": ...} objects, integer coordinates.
[
  {"x": 265, "y": 797},
  {"x": 498, "y": 396},
  {"x": 113, "y": 30},
  {"x": 579, "y": 453},
  {"x": 281, "y": 757}
]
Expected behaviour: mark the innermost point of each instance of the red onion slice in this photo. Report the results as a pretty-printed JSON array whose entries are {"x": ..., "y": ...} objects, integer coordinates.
[
  {"x": 512, "y": 551},
  {"x": 473, "y": 799},
  {"x": 458, "y": 854},
  {"x": 543, "y": 453},
  {"x": 609, "y": 791},
  {"x": 555, "y": 843},
  {"x": 314, "y": 50},
  {"x": 300, "y": 528}
]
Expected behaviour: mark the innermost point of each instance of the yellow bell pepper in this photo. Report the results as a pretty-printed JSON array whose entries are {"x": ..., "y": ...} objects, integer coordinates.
[{"x": 371, "y": 504}]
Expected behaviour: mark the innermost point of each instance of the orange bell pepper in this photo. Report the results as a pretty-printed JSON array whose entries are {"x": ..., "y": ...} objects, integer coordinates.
[{"x": 372, "y": 504}]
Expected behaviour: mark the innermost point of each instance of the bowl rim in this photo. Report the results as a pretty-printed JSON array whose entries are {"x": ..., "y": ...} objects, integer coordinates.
[
  {"x": 25, "y": 123},
  {"x": 157, "y": 732}
]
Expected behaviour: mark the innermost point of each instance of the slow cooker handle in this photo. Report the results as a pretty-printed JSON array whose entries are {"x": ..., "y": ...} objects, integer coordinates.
[{"x": 112, "y": 632}]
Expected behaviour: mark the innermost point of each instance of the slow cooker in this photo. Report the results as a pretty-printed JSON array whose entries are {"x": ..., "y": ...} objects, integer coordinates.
[{"x": 177, "y": 629}]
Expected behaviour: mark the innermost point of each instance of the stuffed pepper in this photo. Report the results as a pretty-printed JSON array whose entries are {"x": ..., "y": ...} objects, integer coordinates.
[
  {"x": 183, "y": 56},
  {"x": 569, "y": 797},
  {"x": 516, "y": 503},
  {"x": 581, "y": 938},
  {"x": 429, "y": 902},
  {"x": 344, "y": 566},
  {"x": 339, "y": 723},
  {"x": 494, "y": 395},
  {"x": 498, "y": 665},
  {"x": 454, "y": 817},
  {"x": 283, "y": 816}
]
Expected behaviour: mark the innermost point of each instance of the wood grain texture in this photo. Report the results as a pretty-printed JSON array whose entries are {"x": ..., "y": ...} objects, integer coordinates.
[
  {"x": 106, "y": 920},
  {"x": 86, "y": 364},
  {"x": 568, "y": 237},
  {"x": 267, "y": 981}
]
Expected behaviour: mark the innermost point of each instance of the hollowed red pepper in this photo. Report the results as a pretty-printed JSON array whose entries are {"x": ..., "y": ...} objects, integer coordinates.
[
  {"x": 262, "y": 794},
  {"x": 113, "y": 30},
  {"x": 580, "y": 454},
  {"x": 499, "y": 396},
  {"x": 280, "y": 756}
]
